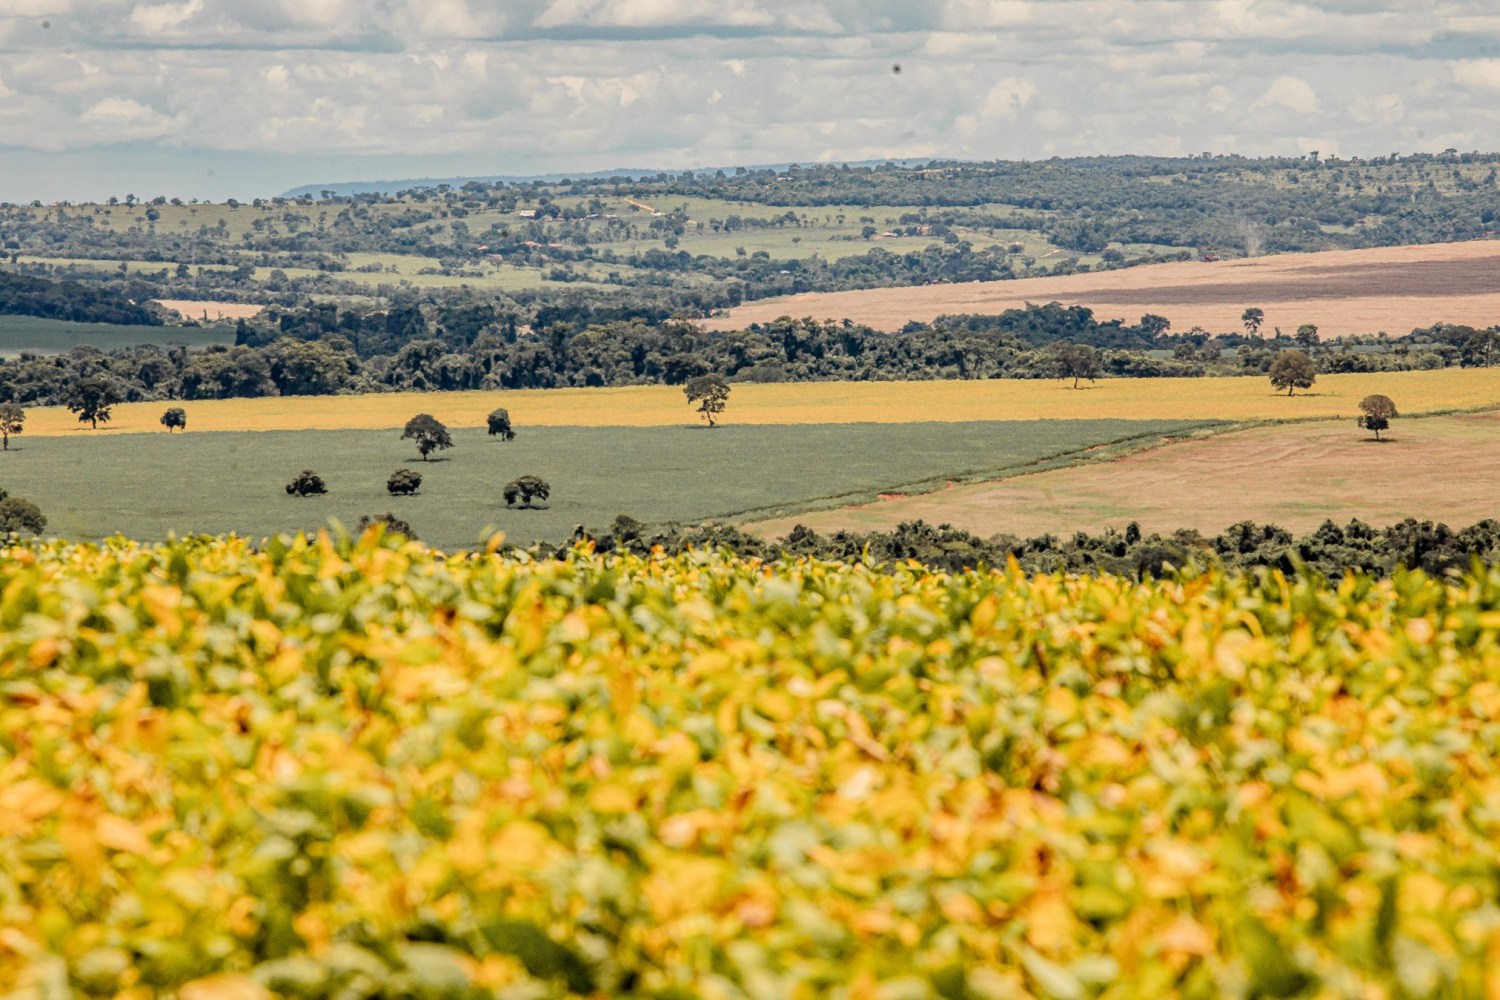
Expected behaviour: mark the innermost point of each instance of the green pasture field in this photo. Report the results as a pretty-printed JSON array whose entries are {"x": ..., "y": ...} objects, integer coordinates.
[
  {"x": 32, "y": 335},
  {"x": 147, "y": 485}
]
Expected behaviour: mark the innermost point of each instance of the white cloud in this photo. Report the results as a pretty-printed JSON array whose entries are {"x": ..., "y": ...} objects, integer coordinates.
[
  {"x": 578, "y": 84},
  {"x": 1290, "y": 92},
  {"x": 1478, "y": 74}
]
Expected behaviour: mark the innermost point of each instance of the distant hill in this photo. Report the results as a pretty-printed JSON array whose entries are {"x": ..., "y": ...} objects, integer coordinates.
[{"x": 633, "y": 173}]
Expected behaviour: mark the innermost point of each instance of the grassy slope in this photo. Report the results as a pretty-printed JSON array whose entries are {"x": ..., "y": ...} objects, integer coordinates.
[
  {"x": 145, "y": 485},
  {"x": 1293, "y": 475},
  {"x": 1236, "y": 399}
]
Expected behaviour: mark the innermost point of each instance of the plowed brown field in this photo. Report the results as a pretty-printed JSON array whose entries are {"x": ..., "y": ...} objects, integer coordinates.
[
  {"x": 195, "y": 309},
  {"x": 1295, "y": 475},
  {"x": 1342, "y": 292}
]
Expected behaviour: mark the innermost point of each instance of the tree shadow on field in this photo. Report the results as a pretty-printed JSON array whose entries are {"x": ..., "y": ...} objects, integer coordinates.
[
  {"x": 1380, "y": 440},
  {"x": 432, "y": 461},
  {"x": 1300, "y": 395}
]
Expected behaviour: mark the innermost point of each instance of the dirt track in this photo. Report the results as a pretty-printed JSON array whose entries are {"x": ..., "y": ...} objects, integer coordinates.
[
  {"x": 1341, "y": 292},
  {"x": 1295, "y": 475}
]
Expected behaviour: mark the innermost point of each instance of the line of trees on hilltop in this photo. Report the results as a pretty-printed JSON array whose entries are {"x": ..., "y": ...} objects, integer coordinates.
[
  {"x": 1015, "y": 345},
  {"x": 1098, "y": 205}
]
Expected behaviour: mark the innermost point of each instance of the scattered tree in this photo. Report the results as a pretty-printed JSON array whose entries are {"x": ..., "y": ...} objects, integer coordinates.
[
  {"x": 526, "y": 489},
  {"x": 710, "y": 392},
  {"x": 18, "y": 514},
  {"x": 1077, "y": 361},
  {"x": 174, "y": 418},
  {"x": 1376, "y": 413},
  {"x": 428, "y": 432},
  {"x": 1293, "y": 370},
  {"x": 12, "y": 419},
  {"x": 1307, "y": 335},
  {"x": 307, "y": 484},
  {"x": 403, "y": 482},
  {"x": 500, "y": 424},
  {"x": 1253, "y": 318},
  {"x": 389, "y": 524},
  {"x": 92, "y": 398}
]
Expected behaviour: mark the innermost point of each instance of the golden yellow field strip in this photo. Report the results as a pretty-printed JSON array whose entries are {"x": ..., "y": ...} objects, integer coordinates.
[{"x": 1247, "y": 398}]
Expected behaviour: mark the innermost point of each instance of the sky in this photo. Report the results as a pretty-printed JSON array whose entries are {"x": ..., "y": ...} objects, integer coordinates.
[{"x": 247, "y": 98}]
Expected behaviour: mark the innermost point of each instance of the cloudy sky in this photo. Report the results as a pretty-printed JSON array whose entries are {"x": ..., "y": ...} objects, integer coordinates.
[{"x": 218, "y": 98}]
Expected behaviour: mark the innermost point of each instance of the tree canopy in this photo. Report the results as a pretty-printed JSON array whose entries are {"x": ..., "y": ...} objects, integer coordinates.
[
  {"x": 1293, "y": 370},
  {"x": 307, "y": 484},
  {"x": 710, "y": 393},
  {"x": 526, "y": 489},
  {"x": 12, "y": 421},
  {"x": 403, "y": 482},
  {"x": 18, "y": 514},
  {"x": 499, "y": 424},
  {"x": 93, "y": 398},
  {"x": 1376, "y": 413},
  {"x": 429, "y": 434}
]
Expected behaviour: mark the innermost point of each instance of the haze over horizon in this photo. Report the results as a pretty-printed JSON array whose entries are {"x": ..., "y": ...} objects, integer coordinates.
[{"x": 221, "y": 98}]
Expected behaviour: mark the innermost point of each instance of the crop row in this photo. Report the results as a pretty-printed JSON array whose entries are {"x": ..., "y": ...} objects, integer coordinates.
[{"x": 333, "y": 769}]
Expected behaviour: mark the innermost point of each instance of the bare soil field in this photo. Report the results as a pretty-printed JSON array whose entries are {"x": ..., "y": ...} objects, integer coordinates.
[
  {"x": 1296, "y": 476},
  {"x": 1248, "y": 398},
  {"x": 210, "y": 311},
  {"x": 1342, "y": 292}
]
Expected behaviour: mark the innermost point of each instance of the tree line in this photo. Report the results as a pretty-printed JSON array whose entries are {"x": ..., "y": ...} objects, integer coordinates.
[
  {"x": 1330, "y": 551},
  {"x": 1013, "y": 345}
]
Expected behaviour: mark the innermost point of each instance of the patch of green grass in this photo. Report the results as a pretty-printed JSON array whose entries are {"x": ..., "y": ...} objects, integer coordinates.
[
  {"x": 147, "y": 485},
  {"x": 33, "y": 335}
]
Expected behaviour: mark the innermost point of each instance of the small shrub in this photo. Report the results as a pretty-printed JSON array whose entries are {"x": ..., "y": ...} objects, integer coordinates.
[
  {"x": 499, "y": 421},
  {"x": 403, "y": 482},
  {"x": 526, "y": 489},
  {"x": 18, "y": 514},
  {"x": 389, "y": 523},
  {"x": 175, "y": 418},
  {"x": 307, "y": 484}
]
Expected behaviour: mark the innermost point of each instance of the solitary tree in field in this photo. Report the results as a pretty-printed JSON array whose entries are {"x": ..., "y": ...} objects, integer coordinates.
[
  {"x": 403, "y": 482},
  {"x": 526, "y": 489},
  {"x": 174, "y": 418},
  {"x": 1293, "y": 370},
  {"x": 92, "y": 399},
  {"x": 17, "y": 514},
  {"x": 307, "y": 484},
  {"x": 1077, "y": 361},
  {"x": 499, "y": 421},
  {"x": 710, "y": 392},
  {"x": 1253, "y": 318},
  {"x": 1376, "y": 413},
  {"x": 12, "y": 419},
  {"x": 429, "y": 433}
]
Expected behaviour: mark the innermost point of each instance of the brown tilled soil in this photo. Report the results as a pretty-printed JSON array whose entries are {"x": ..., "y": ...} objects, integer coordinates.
[
  {"x": 1295, "y": 475},
  {"x": 1341, "y": 292},
  {"x": 190, "y": 309}
]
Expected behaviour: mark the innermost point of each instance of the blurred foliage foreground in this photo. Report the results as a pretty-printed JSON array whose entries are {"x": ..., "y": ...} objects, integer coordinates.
[{"x": 344, "y": 770}]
